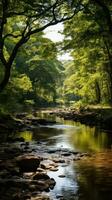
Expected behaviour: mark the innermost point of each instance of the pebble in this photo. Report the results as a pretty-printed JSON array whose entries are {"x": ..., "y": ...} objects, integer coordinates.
[
  {"x": 54, "y": 169},
  {"x": 61, "y": 176},
  {"x": 59, "y": 196}
]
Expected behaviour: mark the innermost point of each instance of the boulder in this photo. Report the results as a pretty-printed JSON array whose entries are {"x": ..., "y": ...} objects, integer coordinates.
[
  {"x": 44, "y": 181},
  {"x": 28, "y": 163},
  {"x": 41, "y": 175}
]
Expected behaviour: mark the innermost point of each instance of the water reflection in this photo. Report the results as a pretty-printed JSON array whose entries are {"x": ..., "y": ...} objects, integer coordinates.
[
  {"x": 94, "y": 177},
  {"x": 68, "y": 134},
  {"x": 77, "y": 136},
  {"x": 27, "y": 135},
  {"x": 90, "y": 139},
  {"x": 88, "y": 179}
]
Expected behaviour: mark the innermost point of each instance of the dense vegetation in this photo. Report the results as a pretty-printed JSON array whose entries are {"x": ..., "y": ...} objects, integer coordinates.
[
  {"x": 31, "y": 74},
  {"x": 89, "y": 37}
]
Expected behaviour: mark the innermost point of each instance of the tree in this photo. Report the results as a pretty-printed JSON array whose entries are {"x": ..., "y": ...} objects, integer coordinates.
[
  {"x": 100, "y": 11},
  {"x": 28, "y": 17},
  {"x": 89, "y": 37},
  {"x": 36, "y": 73}
]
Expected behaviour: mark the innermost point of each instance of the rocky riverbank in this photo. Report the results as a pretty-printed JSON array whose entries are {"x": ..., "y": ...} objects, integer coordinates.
[
  {"x": 24, "y": 171},
  {"x": 17, "y": 123},
  {"x": 24, "y": 166},
  {"x": 89, "y": 116}
]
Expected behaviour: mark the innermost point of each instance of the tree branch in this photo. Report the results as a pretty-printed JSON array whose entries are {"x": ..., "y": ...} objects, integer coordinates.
[
  {"x": 54, "y": 21},
  {"x": 2, "y": 23},
  {"x": 11, "y": 35}
]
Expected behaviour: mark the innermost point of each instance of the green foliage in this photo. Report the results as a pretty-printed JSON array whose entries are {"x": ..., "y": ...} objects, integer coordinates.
[
  {"x": 35, "y": 76},
  {"x": 38, "y": 78},
  {"x": 88, "y": 38}
]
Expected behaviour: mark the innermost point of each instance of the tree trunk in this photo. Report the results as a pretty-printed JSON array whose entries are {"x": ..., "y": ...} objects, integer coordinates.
[
  {"x": 110, "y": 84},
  {"x": 109, "y": 68},
  {"x": 5, "y": 78},
  {"x": 98, "y": 93},
  {"x": 8, "y": 64}
]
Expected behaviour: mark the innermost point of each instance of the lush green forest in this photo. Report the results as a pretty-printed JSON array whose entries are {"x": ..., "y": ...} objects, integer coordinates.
[
  {"x": 55, "y": 99},
  {"x": 31, "y": 74}
]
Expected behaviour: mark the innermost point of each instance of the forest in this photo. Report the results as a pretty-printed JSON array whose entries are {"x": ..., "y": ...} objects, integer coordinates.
[{"x": 30, "y": 72}]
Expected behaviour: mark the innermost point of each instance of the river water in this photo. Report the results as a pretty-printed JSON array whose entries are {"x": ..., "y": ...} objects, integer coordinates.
[{"x": 88, "y": 179}]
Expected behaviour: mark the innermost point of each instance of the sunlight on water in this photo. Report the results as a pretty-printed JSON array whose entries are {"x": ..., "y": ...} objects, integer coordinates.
[
  {"x": 61, "y": 126},
  {"x": 66, "y": 184},
  {"x": 27, "y": 135}
]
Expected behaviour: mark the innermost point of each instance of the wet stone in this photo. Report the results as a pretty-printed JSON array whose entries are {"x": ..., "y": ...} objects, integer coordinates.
[
  {"x": 53, "y": 169},
  {"x": 51, "y": 151},
  {"x": 41, "y": 197},
  {"x": 61, "y": 176},
  {"x": 59, "y": 196},
  {"x": 40, "y": 170},
  {"x": 28, "y": 163},
  {"x": 66, "y": 154},
  {"x": 59, "y": 160},
  {"x": 41, "y": 175},
  {"x": 64, "y": 165},
  {"x": 43, "y": 166}
]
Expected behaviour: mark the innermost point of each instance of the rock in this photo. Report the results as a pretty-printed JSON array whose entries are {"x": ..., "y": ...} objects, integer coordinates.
[
  {"x": 42, "y": 186},
  {"x": 43, "y": 166},
  {"x": 16, "y": 196},
  {"x": 44, "y": 182},
  {"x": 64, "y": 165},
  {"x": 42, "y": 197},
  {"x": 27, "y": 197},
  {"x": 40, "y": 175},
  {"x": 32, "y": 188},
  {"x": 21, "y": 115},
  {"x": 59, "y": 196},
  {"x": 48, "y": 165},
  {"x": 28, "y": 163},
  {"x": 52, "y": 151},
  {"x": 74, "y": 152},
  {"x": 76, "y": 158},
  {"x": 61, "y": 176},
  {"x": 26, "y": 147},
  {"x": 51, "y": 182},
  {"x": 66, "y": 154},
  {"x": 40, "y": 170},
  {"x": 59, "y": 160},
  {"x": 53, "y": 169}
]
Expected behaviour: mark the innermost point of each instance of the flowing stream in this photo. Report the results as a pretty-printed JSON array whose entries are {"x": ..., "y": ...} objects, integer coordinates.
[{"x": 87, "y": 179}]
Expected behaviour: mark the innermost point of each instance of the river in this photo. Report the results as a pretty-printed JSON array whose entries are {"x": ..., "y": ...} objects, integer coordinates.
[{"x": 88, "y": 179}]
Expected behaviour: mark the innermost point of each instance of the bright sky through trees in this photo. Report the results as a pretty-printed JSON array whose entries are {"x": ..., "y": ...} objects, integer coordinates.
[{"x": 54, "y": 33}]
